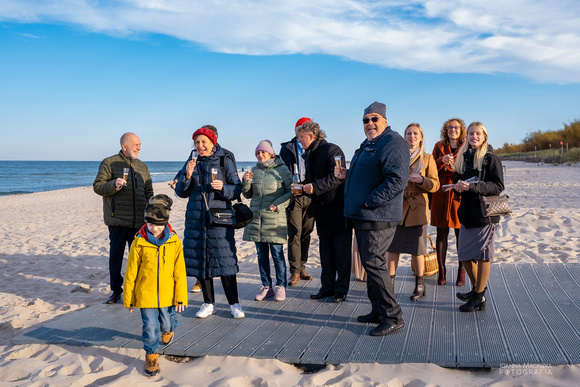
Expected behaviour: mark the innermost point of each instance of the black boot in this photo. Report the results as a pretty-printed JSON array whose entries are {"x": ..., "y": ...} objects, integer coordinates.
[
  {"x": 467, "y": 295},
  {"x": 476, "y": 302},
  {"x": 419, "y": 291}
]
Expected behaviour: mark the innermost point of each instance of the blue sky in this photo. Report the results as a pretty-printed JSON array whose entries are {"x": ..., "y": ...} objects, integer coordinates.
[{"x": 75, "y": 75}]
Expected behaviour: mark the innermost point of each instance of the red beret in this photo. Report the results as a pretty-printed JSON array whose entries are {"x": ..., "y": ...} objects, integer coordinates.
[
  {"x": 302, "y": 120},
  {"x": 206, "y": 132}
]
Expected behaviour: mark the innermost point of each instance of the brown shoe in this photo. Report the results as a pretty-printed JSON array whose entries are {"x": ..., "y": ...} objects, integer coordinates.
[
  {"x": 294, "y": 279},
  {"x": 152, "y": 364},
  {"x": 305, "y": 276},
  {"x": 167, "y": 338}
]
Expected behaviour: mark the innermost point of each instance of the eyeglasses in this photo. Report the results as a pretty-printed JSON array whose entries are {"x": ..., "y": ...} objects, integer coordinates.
[
  {"x": 373, "y": 119},
  {"x": 453, "y": 127}
]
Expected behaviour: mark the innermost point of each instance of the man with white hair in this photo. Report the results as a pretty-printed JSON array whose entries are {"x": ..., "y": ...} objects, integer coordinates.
[{"x": 125, "y": 185}]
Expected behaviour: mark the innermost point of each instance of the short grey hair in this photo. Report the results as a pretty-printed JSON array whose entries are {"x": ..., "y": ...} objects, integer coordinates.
[{"x": 313, "y": 128}]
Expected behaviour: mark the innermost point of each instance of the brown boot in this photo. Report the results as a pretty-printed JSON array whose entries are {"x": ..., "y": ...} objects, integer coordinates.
[
  {"x": 294, "y": 279},
  {"x": 305, "y": 276},
  {"x": 152, "y": 364}
]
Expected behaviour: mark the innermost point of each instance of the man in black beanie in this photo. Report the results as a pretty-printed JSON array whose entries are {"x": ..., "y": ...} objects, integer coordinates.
[{"x": 373, "y": 200}]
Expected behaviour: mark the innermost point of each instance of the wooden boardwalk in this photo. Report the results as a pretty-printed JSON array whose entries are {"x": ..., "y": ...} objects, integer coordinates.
[{"x": 532, "y": 316}]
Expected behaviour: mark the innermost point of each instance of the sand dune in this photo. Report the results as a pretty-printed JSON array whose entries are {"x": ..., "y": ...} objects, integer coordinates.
[{"x": 54, "y": 261}]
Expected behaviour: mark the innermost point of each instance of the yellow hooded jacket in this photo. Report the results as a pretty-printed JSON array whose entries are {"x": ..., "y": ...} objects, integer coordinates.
[{"x": 155, "y": 276}]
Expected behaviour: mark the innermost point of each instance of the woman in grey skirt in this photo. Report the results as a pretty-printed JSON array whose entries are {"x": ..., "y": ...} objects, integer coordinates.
[
  {"x": 411, "y": 235},
  {"x": 477, "y": 233}
]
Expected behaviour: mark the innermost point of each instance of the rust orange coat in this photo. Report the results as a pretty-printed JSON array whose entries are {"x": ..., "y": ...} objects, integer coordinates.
[{"x": 444, "y": 205}]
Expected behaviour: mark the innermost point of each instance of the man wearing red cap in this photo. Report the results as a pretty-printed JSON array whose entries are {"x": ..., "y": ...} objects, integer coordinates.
[{"x": 300, "y": 223}]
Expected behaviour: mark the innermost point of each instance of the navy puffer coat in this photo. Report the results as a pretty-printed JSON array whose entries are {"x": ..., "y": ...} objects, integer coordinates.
[{"x": 209, "y": 251}]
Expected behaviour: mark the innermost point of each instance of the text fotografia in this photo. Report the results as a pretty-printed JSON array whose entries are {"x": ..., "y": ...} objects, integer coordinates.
[{"x": 525, "y": 369}]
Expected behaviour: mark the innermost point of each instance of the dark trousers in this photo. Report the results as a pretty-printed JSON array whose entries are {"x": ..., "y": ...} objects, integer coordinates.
[
  {"x": 373, "y": 245},
  {"x": 119, "y": 237},
  {"x": 230, "y": 285},
  {"x": 300, "y": 226},
  {"x": 335, "y": 260}
]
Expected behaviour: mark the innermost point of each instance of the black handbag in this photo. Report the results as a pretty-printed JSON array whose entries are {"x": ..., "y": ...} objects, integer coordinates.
[
  {"x": 495, "y": 205},
  {"x": 244, "y": 215},
  {"x": 220, "y": 217}
]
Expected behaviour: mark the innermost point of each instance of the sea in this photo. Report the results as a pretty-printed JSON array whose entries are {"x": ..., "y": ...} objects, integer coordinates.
[{"x": 24, "y": 177}]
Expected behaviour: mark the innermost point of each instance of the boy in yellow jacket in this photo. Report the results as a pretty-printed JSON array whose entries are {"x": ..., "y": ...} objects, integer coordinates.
[{"x": 155, "y": 279}]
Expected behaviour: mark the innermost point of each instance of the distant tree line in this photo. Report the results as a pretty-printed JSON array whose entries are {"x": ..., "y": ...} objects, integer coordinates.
[{"x": 539, "y": 140}]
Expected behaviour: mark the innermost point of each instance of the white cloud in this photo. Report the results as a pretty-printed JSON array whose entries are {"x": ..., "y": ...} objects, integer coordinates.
[{"x": 539, "y": 39}]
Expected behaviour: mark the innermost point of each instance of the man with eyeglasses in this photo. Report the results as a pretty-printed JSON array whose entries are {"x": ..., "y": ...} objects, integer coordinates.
[{"x": 378, "y": 175}]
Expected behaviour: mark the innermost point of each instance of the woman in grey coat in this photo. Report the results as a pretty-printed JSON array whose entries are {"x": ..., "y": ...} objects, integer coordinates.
[{"x": 268, "y": 185}]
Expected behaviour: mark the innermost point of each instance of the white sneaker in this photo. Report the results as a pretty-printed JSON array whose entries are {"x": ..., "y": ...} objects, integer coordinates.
[
  {"x": 205, "y": 311},
  {"x": 237, "y": 311}
]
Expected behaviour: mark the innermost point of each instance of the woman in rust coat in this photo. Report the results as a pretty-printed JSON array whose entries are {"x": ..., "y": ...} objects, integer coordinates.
[{"x": 444, "y": 205}]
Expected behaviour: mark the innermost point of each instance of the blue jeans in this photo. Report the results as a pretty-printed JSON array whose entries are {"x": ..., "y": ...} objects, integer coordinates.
[
  {"x": 264, "y": 263},
  {"x": 156, "y": 320}
]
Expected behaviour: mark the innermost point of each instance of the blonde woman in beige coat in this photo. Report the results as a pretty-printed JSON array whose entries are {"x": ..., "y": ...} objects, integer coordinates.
[{"x": 411, "y": 234}]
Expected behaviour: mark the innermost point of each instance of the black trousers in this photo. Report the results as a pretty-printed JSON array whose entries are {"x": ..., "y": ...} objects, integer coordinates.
[
  {"x": 335, "y": 259},
  {"x": 373, "y": 245},
  {"x": 119, "y": 237},
  {"x": 230, "y": 285},
  {"x": 300, "y": 226}
]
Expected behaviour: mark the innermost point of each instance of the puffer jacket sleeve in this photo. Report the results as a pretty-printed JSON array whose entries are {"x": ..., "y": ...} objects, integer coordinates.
[
  {"x": 104, "y": 184},
  {"x": 395, "y": 171},
  {"x": 282, "y": 201},
  {"x": 232, "y": 186},
  {"x": 180, "y": 276},
  {"x": 133, "y": 264}
]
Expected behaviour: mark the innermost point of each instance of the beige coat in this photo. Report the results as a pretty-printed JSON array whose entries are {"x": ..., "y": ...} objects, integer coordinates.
[{"x": 415, "y": 205}]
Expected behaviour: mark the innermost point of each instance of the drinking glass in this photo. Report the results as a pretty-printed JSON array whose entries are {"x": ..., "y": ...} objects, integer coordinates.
[
  {"x": 213, "y": 174},
  {"x": 125, "y": 175},
  {"x": 337, "y": 160}
]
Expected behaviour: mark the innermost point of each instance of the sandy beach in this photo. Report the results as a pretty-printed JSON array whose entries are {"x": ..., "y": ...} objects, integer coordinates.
[{"x": 54, "y": 260}]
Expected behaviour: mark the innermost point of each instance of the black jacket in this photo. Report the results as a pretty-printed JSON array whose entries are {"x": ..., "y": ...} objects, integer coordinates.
[
  {"x": 328, "y": 197},
  {"x": 490, "y": 183}
]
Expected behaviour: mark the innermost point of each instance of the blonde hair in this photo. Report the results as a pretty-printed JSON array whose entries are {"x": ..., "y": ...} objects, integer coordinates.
[
  {"x": 479, "y": 152},
  {"x": 421, "y": 148}
]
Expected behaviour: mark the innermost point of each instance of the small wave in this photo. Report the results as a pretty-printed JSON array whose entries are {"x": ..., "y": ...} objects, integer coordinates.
[{"x": 5, "y": 193}]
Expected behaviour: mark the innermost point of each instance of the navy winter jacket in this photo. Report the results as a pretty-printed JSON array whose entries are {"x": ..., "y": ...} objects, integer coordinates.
[
  {"x": 378, "y": 175},
  {"x": 209, "y": 251}
]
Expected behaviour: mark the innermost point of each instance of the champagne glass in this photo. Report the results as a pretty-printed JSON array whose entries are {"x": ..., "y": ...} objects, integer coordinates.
[
  {"x": 337, "y": 160},
  {"x": 194, "y": 155},
  {"x": 251, "y": 174},
  {"x": 125, "y": 175},
  {"x": 213, "y": 174}
]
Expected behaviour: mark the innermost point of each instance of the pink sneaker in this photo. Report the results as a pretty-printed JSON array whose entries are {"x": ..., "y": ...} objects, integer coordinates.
[
  {"x": 280, "y": 293},
  {"x": 265, "y": 292}
]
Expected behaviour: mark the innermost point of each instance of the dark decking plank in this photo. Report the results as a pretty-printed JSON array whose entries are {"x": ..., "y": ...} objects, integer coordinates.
[
  {"x": 532, "y": 316},
  {"x": 559, "y": 332},
  {"x": 326, "y": 339},
  {"x": 544, "y": 345},
  {"x": 391, "y": 348},
  {"x": 442, "y": 349}
]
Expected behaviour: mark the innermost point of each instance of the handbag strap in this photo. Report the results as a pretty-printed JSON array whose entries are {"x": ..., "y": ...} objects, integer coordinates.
[
  {"x": 431, "y": 240},
  {"x": 205, "y": 200}
]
